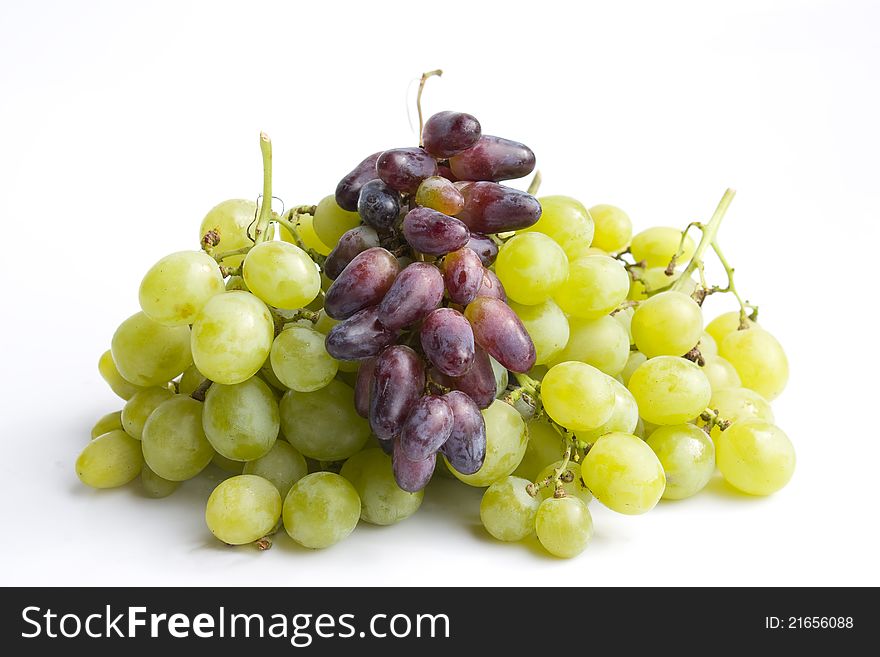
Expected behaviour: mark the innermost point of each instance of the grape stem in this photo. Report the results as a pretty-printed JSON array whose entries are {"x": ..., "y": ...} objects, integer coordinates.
[
  {"x": 261, "y": 232},
  {"x": 713, "y": 419},
  {"x": 710, "y": 232},
  {"x": 290, "y": 220},
  {"x": 743, "y": 305},
  {"x": 438, "y": 72},
  {"x": 535, "y": 185},
  {"x": 219, "y": 257},
  {"x": 199, "y": 393}
]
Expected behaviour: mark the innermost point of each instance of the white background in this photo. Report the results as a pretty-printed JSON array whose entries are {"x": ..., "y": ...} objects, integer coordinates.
[{"x": 121, "y": 124}]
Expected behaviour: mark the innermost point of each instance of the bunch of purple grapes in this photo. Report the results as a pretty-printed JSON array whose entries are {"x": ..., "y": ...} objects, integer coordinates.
[{"x": 419, "y": 305}]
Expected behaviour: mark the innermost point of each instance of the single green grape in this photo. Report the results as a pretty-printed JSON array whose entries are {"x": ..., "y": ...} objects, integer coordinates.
[
  {"x": 736, "y": 404},
  {"x": 190, "y": 380},
  {"x": 602, "y": 343},
  {"x": 331, "y": 221},
  {"x": 502, "y": 376},
  {"x": 547, "y": 325},
  {"x": 654, "y": 280},
  {"x": 667, "y": 324},
  {"x": 383, "y": 502},
  {"x": 596, "y": 285},
  {"x": 564, "y": 526},
  {"x": 506, "y": 440},
  {"x": 577, "y": 396},
  {"x": 508, "y": 511},
  {"x": 243, "y": 509},
  {"x": 613, "y": 228},
  {"x": 624, "y": 417},
  {"x": 177, "y": 287},
  {"x": 305, "y": 227},
  {"x": 281, "y": 274},
  {"x": 707, "y": 345},
  {"x": 231, "y": 220},
  {"x": 241, "y": 421},
  {"x": 147, "y": 353},
  {"x": 321, "y": 509},
  {"x": 670, "y": 390},
  {"x": 624, "y": 473},
  {"x": 531, "y": 267},
  {"x": 656, "y": 246},
  {"x": 107, "y": 423},
  {"x": 633, "y": 361},
  {"x": 759, "y": 360},
  {"x": 300, "y": 360},
  {"x": 155, "y": 486},
  {"x": 567, "y": 222},
  {"x": 174, "y": 443},
  {"x": 108, "y": 371},
  {"x": 574, "y": 488},
  {"x": 138, "y": 409},
  {"x": 721, "y": 374},
  {"x": 687, "y": 456},
  {"x": 110, "y": 460},
  {"x": 283, "y": 466},
  {"x": 724, "y": 324},
  {"x": 544, "y": 446},
  {"x": 755, "y": 456}
]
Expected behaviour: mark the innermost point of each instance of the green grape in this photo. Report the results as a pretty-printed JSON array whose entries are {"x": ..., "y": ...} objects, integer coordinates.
[
  {"x": 305, "y": 227},
  {"x": 720, "y": 373},
  {"x": 236, "y": 283},
  {"x": 544, "y": 446},
  {"x": 189, "y": 380},
  {"x": 531, "y": 267},
  {"x": 111, "y": 375},
  {"x": 577, "y": 395},
  {"x": 231, "y": 337},
  {"x": 755, "y": 456},
  {"x": 283, "y": 466},
  {"x": 670, "y": 390},
  {"x": 567, "y": 222},
  {"x": 546, "y": 325},
  {"x": 564, "y": 526},
  {"x": 668, "y": 324},
  {"x": 281, "y": 274},
  {"x": 323, "y": 425},
  {"x": 230, "y": 220},
  {"x": 267, "y": 374},
  {"x": 596, "y": 285},
  {"x": 139, "y": 408},
  {"x": 300, "y": 360},
  {"x": 687, "y": 456},
  {"x": 633, "y": 361},
  {"x": 506, "y": 440},
  {"x": 502, "y": 376},
  {"x": 154, "y": 485},
  {"x": 107, "y": 423},
  {"x": 243, "y": 509},
  {"x": 321, "y": 509},
  {"x": 228, "y": 465},
  {"x": 177, "y": 287},
  {"x": 383, "y": 502},
  {"x": 624, "y": 317},
  {"x": 331, "y": 221},
  {"x": 174, "y": 443},
  {"x": 624, "y": 473},
  {"x": 508, "y": 511},
  {"x": 759, "y": 360},
  {"x": 736, "y": 404},
  {"x": 613, "y": 227},
  {"x": 574, "y": 488},
  {"x": 656, "y": 246},
  {"x": 602, "y": 343},
  {"x": 725, "y": 323},
  {"x": 241, "y": 421},
  {"x": 109, "y": 461},
  {"x": 624, "y": 417},
  {"x": 707, "y": 345},
  {"x": 654, "y": 279},
  {"x": 147, "y": 353}
]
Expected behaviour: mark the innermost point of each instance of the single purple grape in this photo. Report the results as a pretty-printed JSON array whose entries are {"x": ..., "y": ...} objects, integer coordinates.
[
  {"x": 378, "y": 205},
  {"x": 363, "y": 283},
  {"x": 498, "y": 330},
  {"x": 463, "y": 275},
  {"x": 494, "y": 159},
  {"x": 493, "y": 208},
  {"x": 360, "y": 336},
  {"x": 417, "y": 291},
  {"x": 448, "y": 341},
  {"x": 411, "y": 476},
  {"x": 404, "y": 169},
  {"x": 465, "y": 449},
  {"x": 448, "y": 133},
  {"x": 426, "y": 428},
  {"x": 433, "y": 232},
  {"x": 398, "y": 382}
]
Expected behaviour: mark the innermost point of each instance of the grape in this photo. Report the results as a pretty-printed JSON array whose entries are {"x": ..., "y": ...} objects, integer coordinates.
[
  {"x": 111, "y": 375},
  {"x": 564, "y": 526},
  {"x": 484, "y": 247},
  {"x": 174, "y": 442},
  {"x": 501, "y": 333},
  {"x": 227, "y": 465},
  {"x": 624, "y": 417},
  {"x": 506, "y": 441},
  {"x": 547, "y": 326},
  {"x": 349, "y": 188},
  {"x": 531, "y": 266},
  {"x": 243, "y": 509},
  {"x": 724, "y": 324},
  {"x": 574, "y": 488},
  {"x": 508, "y": 511},
  {"x": 300, "y": 360},
  {"x": 189, "y": 380},
  {"x": 494, "y": 159},
  {"x": 440, "y": 194},
  {"x": 331, "y": 221},
  {"x": 268, "y": 377},
  {"x": 653, "y": 280},
  {"x": 138, "y": 409},
  {"x": 668, "y": 324},
  {"x": 360, "y": 336},
  {"x": 282, "y": 465},
  {"x": 176, "y": 288},
  {"x": 398, "y": 381},
  {"x": 759, "y": 360},
  {"x": 721, "y": 374},
  {"x": 426, "y": 428},
  {"x": 404, "y": 168},
  {"x": 478, "y": 382},
  {"x": 613, "y": 228},
  {"x": 235, "y": 283},
  {"x": 596, "y": 285},
  {"x": 110, "y": 460},
  {"x": 687, "y": 456},
  {"x": 577, "y": 396},
  {"x": 305, "y": 229},
  {"x": 463, "y": 275},
  {"x": 411, "y": 476},
  {"x": 602, "y": 343},
  {"x": 154, "y": 485},
  {"x": 433, "y": 232},
  {"x": 353, "y": 242},
  {"x": 321, "y": 509},
  {"x": 465, "y": 448},
  {"x": 623, "y": 473},
  {"x": 323, "y": 425},
  {"x": 362, "y": 387},
  {"x": 416, "y": 292},
  {"x": 107, "y": 423},
  {"x": 567, "y": 222},
  {"x": 670, "y": 390},
  {"x": 281, "y": 274},
  {"x": 231, "y": 337},
  {"x": 383, "y": 502},
  {"x": 448, "y": 133},
  {"x": 491, "y": 286},
  {"x": 755, "y": 456},
  {"x": 502, "y": 377},
  {"x": 378, "y": 205},
  {"x": 545, "y": 446},
  {"x": 448, "y": 341},
  {"x": 147, "y": 353},
  {"x": 230, "y": 220},
  {"x": 493, "y": 208},
  {"x": 363, "y": 283},
  {"x": 707, "y": 345},
  {"x": 241, "y": 421},
  {"x": 635, "y": 359},
  {"x": 656, "y": 246},
  {"x": 737, "y": 404}
]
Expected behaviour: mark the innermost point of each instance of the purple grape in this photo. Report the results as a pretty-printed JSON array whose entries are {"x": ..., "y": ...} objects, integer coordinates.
[
  {"x": 493, "y": 158},
  {"x": 355, "y": 241},
  {"x": 478, "y": 382},
  {"x": 448, "y": 341},
  {"x": 463, "y": 275},
  {"x": 398, "y": 382},
  {"x": 360, "y": 336},
  {"x": 465, "y": 449},
  {"x": 426, "y": 428},
  {"x": 492, "y": 286},
  {"x": 362, "y": 283},
  {"x": 448, "y": 133},
  {"x": 484, "y": 247},
  {"x": 362, "y": 387},
  {"x": 378, "y": 205},
  {"x": 417, "y": 291},
  {"x": 433, "y": 232},
  {"x": 349, "y": 188},
  {"x": 404, "y": 168},
  {"x": 493, "y": 208},
  {"x": 499, "y": 331},
  {"x": 411, "y": 476}
]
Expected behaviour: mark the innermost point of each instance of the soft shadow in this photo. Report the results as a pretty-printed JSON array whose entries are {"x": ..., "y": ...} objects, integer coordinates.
[{"x": 718, "y": 486}]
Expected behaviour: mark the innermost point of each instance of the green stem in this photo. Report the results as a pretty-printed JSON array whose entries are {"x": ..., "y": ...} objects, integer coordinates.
[
  {"x": 670, "y": 268},
  {"x": 219, "y": 257},
  {"x": 261, "y": 232},
  {"x": 438, "y": 72},
  {"x": 535, "y": 185},
  {"x": 743, "y": 313},
  {"x": 710, "y": 231},
  {"x": 293, "y": 227}
]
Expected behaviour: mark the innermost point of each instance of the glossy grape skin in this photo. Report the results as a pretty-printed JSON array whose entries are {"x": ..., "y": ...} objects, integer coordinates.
[
  {"x": 174, "y": 442},
  {"x": 737, "y": 404},
  {"x": 107, "y": 423},
  {"x": 404, "y": 169},
  {"x": 434, "y": 233},
  {"x": 507, "y": 511},
  {"x": 282, "y": 465},
  {"x": 720, "y": 373},
  {"x": 493, "y": 208},
  {"x": 667, "y": 324},
  {"x": 447, "y": 133},
  {"x": 596, "y": 285},
  {"x": 492, "y": 286},
  {"x": 110, "y": 460},
  {"x": 363, "y": 383},
  {"x": 531, "y": 266},
  {"x": 463, "y": 275},
  {"x": 398, "y": 381},
  {"x": 448, "y": 341},
  {"x": 155, "y": 486},
  {"x": 506, "y": 440},
  {"x": 360, "y": 336},
  {"x": 687, "y": 456},
  {"x": 566, "y": 221},
  {"x": 493, "y": 159},
  {"x": 755, "y": 456},
  {"x": 656, "y": 246},
  {"x": 353, "y": 242},
  {"x": 577, "y": 396},
  {"x": 331, "y": 221},
  {"x": 624, "y": 474},
  {"x": 624, "y": 416},
  {"x": 501, "y": 333},
  {"x": 110, "y": 374},
  {"x": 759, "y": 360},
  {"x": 231, "y": 220},
  {"x": 564, "y": 526},
  {"x": 438, "y": 193},
  {"x": 281, "y": 274},
  {"x": 321, "y": 509},
  {"x": 176, "y": 288},
  {"x": 724, "y": 324},
  {"x": 484, "y": 247},
  {"x": 147, "y": 353},
  {"x": 417, "y": 291},
  {"x": 547, "y": 326},
  {"x": 383, "y": 502},
  {"x": 465, "y": 448},
  {"x": 412, "y": 476},
  {"x": 378, "y": 205},
  {"x": 138, "y": 409},
  {"x": 613, "y": 228},
  {"x": 349, "y": 188},
  {"x": 300, "y": 359},
  {"x": 602, "y": 343},
  {"x": 670, "y": 390},
  {"x": 426, "y": 428},
  {"x": 241, "y": 421},
  {"x": 243, "y": 509},
  {"x": 633, "y": 361},
  {"x": 363, "y": 283},
  {"x": 478, "y": 382}
]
